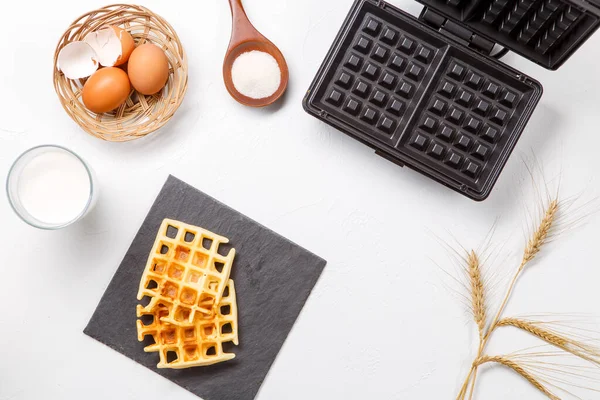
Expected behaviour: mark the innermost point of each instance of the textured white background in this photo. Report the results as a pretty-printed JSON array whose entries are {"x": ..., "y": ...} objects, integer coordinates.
[{"x": 381, "y": 322}]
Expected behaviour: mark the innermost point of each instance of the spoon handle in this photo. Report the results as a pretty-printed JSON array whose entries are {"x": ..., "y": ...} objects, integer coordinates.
[
  {"x": 242, "y": 29},
  {"x": 237, "y": 9}
]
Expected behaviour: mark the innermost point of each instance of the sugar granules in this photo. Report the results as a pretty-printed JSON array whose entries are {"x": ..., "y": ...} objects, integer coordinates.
[{"x": 256, "y": 74}]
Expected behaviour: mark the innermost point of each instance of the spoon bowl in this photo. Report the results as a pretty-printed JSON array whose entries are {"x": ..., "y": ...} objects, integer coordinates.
[{"x": 245, "y": 38}]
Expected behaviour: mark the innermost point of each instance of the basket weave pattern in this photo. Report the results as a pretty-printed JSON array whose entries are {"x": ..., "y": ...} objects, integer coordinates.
[{"x": 140, "y": 115}]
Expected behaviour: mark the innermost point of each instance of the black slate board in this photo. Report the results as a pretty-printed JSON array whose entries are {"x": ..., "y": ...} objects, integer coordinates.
[{"x": 273, "y": 279}]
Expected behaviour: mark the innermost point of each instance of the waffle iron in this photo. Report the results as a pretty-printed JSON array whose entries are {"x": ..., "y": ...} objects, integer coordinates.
[{"x": 428, "y": 94}]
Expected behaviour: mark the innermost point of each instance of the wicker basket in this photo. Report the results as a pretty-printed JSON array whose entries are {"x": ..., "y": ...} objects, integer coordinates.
[{"x": 140, "y": 115}]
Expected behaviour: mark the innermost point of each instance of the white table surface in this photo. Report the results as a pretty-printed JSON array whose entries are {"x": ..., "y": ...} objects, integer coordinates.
[{"x": 381, "y": 322}]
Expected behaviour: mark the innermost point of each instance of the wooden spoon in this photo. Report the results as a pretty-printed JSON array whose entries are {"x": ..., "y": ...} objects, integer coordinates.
[{"x": 245, "y": 38}]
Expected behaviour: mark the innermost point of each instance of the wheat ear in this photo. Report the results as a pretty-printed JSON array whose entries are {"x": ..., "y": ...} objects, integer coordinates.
[
  {"x": 478, "y": 304},
  {"x": 535, "y": 330},
  {"x": 576, "y": 347},
  {"x": 477, "y": 292},
  {"x": 507, "y": 362},
  {"x": 541, "y": 235}
]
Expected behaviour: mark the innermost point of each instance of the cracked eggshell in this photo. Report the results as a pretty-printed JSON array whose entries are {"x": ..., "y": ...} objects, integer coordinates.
[
  {"x": 127, "y": 45},
  {"x": 77, "y": 60},
  {"x": 112, "y": 44}
]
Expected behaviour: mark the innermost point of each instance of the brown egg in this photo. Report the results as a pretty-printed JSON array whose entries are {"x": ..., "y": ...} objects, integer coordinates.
[
  {"x": 106, "y": 90},
  {"x": 148, "y": 69}
]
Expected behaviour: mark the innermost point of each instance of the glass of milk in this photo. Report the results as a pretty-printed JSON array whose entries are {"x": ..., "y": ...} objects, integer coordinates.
[{"x": 51, "y": 187}]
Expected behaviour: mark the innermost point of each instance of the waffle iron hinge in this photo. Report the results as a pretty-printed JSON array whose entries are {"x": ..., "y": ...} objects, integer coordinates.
[{"x": 456, "y": 31}]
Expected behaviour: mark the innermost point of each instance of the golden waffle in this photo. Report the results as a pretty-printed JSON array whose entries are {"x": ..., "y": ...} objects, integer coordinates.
[
  {"x": 198, "y": 344},
  {"x": 185, "y": 274}
]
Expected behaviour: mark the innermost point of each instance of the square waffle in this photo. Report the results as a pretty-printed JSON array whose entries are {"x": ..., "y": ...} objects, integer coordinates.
[
  {"x": 185, "y": 274},
  {"x": 197, "y": 344}
]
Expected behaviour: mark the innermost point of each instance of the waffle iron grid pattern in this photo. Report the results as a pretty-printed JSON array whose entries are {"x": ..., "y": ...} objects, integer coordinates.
[
  {"x": 545, "y": 27},
  {"x": 383, "y": 71},
  {"x": 465, "y": 122},
  {"x": 380, "y": 75},
  {"x": 541, "y": 24}
]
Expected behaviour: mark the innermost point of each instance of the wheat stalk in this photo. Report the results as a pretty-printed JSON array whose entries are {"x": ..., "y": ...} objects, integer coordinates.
[
  {"x": 538, "y": 239},
  {"x": 507, "y": 362},
  {"x": 534, "y": 245},
  {"x": 478, "y": 307}
]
